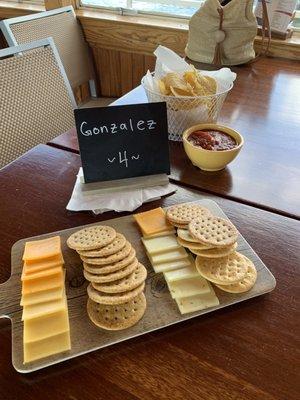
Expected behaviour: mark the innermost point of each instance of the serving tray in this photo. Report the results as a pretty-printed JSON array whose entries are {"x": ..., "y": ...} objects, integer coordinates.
[{"x": 161, "y": 309}]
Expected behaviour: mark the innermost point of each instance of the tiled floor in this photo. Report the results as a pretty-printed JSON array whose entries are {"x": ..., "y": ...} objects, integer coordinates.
[{"x": 98, "y": 102}]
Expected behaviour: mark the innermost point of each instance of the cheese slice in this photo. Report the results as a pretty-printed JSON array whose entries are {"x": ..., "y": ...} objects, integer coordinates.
[
  {"x": 46, "y": 326},
  {"x": 42, "y": 297},
  {"x": 188, "y": 287},
  {"x": 161, "y": 244},
  {"x": 173, "y": 255},
  {"x": 41, "y": 274},
  {"x": 153, "y": 221},
  {"x": 41, "y": 249},
  {"x": 189, "y": 271},
  {"x": 171, "y": 266},
  {"x": 47, "y": 347},
  {"x": 163, "y": 233},
  {"x": 197, "y": 303},
  {"x": 31, "y": 267},
  {"x": 44, "y": 283},
  {"x": 43, "y": 309}
]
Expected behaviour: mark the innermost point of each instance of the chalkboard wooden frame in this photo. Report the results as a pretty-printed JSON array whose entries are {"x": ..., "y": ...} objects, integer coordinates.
[{"x": 122, "y": 142}]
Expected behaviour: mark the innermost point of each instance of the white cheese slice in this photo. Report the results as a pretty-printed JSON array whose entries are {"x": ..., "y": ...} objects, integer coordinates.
[
  {"x": 161, "y": 244},
  {"x": 168, "y": 256},
  {"x": 188, "y": 287},
  {"x": 197, "y": 303},
  {"x": 189, "y": 271},
  {"x": 170, "y": 266}
]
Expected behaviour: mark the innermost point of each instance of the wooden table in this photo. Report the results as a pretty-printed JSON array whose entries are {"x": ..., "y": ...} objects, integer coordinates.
[
  {"x": 243, "y": 352},
  {"x": 264, "y": 107}
]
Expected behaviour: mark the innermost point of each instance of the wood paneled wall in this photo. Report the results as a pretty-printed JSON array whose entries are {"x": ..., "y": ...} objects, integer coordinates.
[{"x": 120, "y": 71}]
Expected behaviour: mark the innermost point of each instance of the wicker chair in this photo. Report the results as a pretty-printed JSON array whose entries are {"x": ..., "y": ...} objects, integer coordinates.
[
  {"x": 36, "y": 99},
  {"x": 60, "y": 24}
]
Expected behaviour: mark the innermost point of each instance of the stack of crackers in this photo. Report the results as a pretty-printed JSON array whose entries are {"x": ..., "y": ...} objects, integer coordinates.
[
  {"x": 214, "y": 241},
  {"x": 117, "y": 279}
]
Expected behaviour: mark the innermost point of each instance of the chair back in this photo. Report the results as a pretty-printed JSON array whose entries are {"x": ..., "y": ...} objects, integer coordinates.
[
  {"x": 36, "y": 99},
  {"x": 60, "y": 24}
]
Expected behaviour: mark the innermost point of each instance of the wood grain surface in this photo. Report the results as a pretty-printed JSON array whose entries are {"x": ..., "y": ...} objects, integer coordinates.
[
  {"x": 161, "y": 309},
  {"x": 243, "y": 352},
  {"x": 263, "y": 107}
]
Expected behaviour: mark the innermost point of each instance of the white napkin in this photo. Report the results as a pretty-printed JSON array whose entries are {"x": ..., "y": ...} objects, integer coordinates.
[
  {"x": 168, "y": 61},
  {"x": 127, "y": 200}
]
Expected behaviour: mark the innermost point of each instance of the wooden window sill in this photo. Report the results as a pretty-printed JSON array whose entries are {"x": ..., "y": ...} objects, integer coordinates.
[
  {"x": 96, "y": 21},
  {"x": 10, "y": 10}
]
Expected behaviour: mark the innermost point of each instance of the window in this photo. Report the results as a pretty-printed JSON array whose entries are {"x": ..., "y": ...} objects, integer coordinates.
[
  {"x": 173, "y": 8},
  {"x": 176, "y": 8}
]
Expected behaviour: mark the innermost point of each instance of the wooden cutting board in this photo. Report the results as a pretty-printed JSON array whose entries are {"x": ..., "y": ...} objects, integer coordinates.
[{"x": 85, "y": 336}]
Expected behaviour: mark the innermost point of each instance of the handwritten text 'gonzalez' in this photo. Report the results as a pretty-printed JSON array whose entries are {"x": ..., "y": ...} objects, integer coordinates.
[{"x": 130, "y": 126}]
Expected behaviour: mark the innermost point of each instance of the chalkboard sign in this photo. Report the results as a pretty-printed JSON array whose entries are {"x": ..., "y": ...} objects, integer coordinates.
[{"x": 120, "y": 142}]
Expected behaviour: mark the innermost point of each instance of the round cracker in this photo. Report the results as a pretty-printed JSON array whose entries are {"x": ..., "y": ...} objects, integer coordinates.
[
  {"x": 114, "y": 276},
  {"x": 93, "y": 237},
  {"x": 214, "y": 231},
  {"x": 183, "y": 214},
  {"x": 109, "y": 268},
  {"x": 118, "y": 256},
  {"x": 224, "y": 270},
  {"x": 179, "y": 226},
  {"x": 192, "y": 245},
  {"x": 215, "y": 252},
  {"x": 117, "y": 244},
  {"x": 245, "y": 284},
  {"x": 184, "y": 234},
  {"x": 117, "y": 317},
  {"x": 113, "y": 298},
  {"x": 130, "y": 282}
]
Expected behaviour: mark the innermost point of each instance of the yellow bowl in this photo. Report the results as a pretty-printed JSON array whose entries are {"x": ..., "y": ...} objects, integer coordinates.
[{"x": 211, "y": 160}]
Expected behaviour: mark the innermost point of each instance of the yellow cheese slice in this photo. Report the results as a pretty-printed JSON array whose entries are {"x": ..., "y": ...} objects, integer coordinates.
[
  {"x": 171, "y": 266},
  {"x": 47, "y": 347},
  {"x": 41, "y": 274},
  {"x": 31, "y": 267},
  {"x": 188, "y": 287},
  {"x": 40, "y": 249},
  {"x": 43, "y": 309},
  {"x": 42, "y": 297},
  {"x": 189, "y": 271},
  {"x": 163, "y": 233},
  {"x": 153, "y": 221},
  {"x": 46, "y": 326},
  {"x": 173, "y": 255},
  {"x": 43, "y": 283},
  {"x": 161, "y": 244},
  {"x": 197, "y": 303}
]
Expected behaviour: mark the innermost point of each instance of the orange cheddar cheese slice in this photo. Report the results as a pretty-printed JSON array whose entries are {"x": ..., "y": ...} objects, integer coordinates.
[
  {"x": 153, "y": 221},
  {"x": 41, "y": 274},
  {"x": 43, "y": 283},
  {"x": 41, "y": 249},
  {"x": 30, "y": 267}
]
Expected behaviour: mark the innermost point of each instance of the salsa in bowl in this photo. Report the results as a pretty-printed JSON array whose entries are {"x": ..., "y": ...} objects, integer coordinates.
[{"x": 210, "y": 146}]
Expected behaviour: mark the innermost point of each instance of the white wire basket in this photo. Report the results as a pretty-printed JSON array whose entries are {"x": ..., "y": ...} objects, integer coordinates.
[{"x": 184, "y": 112}]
